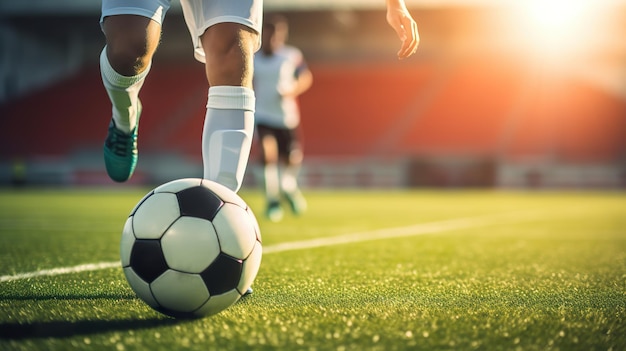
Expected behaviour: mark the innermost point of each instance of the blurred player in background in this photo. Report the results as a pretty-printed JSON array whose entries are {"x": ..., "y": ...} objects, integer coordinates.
[
  {"x": 225, "y": 35},
  {"x": 280, "y": 76}
]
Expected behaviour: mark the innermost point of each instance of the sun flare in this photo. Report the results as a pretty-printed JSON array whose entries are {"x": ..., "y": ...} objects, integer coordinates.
[
  {"x": 556, "y": 17},
  {"x": 554, "y": 29}
]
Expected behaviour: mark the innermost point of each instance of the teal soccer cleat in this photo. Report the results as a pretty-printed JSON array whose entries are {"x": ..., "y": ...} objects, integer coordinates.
[{"x": 120, "y": 152}]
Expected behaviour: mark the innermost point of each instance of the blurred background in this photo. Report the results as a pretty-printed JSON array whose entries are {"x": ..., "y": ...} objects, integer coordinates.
[{"x": 503, "y": 94}]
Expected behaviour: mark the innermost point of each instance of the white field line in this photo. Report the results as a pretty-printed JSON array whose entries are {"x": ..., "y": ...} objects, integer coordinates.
[
  {"x": 399, "y": 232},
  {"x": 58, "y": 271}
]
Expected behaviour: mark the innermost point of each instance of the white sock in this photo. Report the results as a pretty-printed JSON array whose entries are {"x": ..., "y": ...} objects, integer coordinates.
[
  {"x": 123, "y": 92},
  {"x": 289, "y": 183},
  {"x": 227, "y": 134},
  {"x": 272, "y": 182}
]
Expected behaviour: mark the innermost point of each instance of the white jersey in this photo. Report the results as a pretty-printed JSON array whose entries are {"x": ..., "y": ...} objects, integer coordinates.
[{"x": 273, "y": 75}]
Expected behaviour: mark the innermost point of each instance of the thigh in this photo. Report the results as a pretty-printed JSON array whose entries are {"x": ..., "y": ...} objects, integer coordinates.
[
  {"x": 202, "y": 14},
  {"x": 269, "y": 143}
]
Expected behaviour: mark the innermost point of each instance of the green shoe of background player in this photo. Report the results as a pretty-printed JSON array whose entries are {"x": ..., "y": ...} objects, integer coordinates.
[
  {"x": 120, "y": 152},
  {"x": 274, "y": 212},
  {"x": 297, "y": 202}
]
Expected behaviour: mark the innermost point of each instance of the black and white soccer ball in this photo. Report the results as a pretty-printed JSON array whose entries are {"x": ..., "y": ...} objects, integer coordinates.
[{"x": 191, "y": 248}]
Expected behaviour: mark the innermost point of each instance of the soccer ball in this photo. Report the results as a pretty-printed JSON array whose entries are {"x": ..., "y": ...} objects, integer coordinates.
[{"x": 191, "y": 248}]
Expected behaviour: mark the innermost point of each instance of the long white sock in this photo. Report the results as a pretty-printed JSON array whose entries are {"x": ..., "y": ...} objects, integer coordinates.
[
  {"x": 289, "y": 179},
  {"x": 272, "y": 182},
  {"x": 227, "y": 134},
  {"x": 123, "y": 92}
]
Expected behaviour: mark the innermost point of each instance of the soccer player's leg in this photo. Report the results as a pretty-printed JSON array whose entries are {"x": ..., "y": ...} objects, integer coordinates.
[
  {"x": 131, "y": 41},
  {"x": 229, "y": 120},
  {"x": 292, "y": 155},
  {"x": 271, "y": 179}
]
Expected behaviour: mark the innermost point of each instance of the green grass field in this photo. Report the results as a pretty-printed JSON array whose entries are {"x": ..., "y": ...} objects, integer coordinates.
[{"x": 422, "y": 270}]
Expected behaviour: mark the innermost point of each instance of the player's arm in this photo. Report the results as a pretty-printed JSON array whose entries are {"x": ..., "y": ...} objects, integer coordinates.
[
  {"x": 401, "y": 21},
  {"x": 303, "y": 80}
]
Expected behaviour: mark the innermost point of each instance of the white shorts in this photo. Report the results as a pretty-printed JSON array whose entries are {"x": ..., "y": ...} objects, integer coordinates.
[{"x": 199, "y": 14}]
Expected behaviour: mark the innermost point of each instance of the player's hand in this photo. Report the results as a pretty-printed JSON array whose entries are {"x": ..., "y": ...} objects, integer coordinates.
[{"x": 401, "y": 21}]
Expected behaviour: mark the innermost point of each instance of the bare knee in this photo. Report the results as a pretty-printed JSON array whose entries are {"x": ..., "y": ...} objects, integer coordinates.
[
  {"x": 229, "y": 48},
  {"x": 295, "y": 157},
  {"x": 131, "y": 42},
  {"x": 270, "y": 150}
]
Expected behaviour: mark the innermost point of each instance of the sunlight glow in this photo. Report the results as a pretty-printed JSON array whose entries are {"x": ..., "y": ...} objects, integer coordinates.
[
  {"x": 553, "y": 29},
  {"x": 555, "y": 16},
  {"x": 556, "y": 21}
]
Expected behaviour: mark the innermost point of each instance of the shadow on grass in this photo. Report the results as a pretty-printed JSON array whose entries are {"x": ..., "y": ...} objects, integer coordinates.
[
  {"x": 61, "y": 329},
  {"x": 64, "y": 329}
]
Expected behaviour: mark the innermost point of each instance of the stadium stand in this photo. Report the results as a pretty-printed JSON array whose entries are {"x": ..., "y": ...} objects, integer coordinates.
[
  {"x": 452, "y": 116},
  {"x": 475, "y": 111}
]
